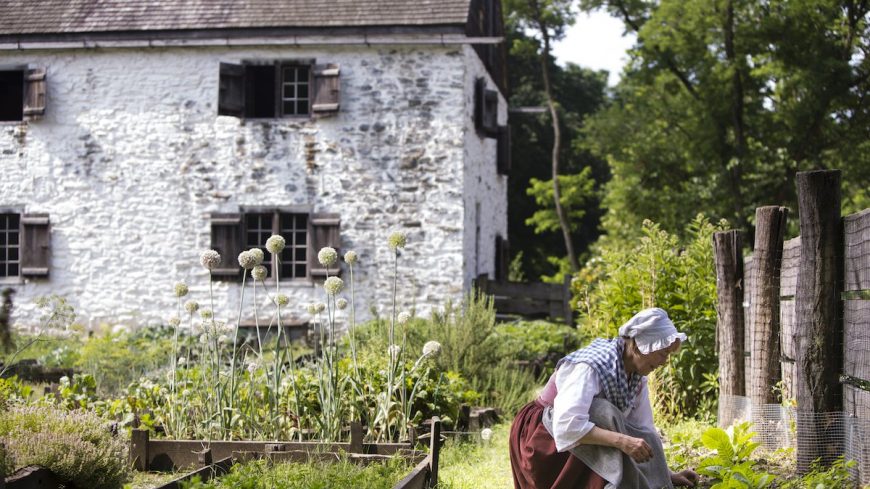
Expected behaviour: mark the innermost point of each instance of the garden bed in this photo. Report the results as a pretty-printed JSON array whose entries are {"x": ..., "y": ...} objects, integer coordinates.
[{"x": 207, "y": 459}]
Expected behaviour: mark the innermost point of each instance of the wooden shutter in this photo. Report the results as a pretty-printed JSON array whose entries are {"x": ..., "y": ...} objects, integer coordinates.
[
  {"x": 490, "y": 113},
  {"x": 34, "y": 94},
  {"x": 35, "y": 245},
  {"x": 502, "y": 259},
  {"x": 327, "y": 90},
  {"x": 226, "y": 239},
  {"x": 231, "y": 90},
  {"x": 479, "y": 93},
  {"x": 325, "y": 231},
  {"x": 503, "y": 159}
]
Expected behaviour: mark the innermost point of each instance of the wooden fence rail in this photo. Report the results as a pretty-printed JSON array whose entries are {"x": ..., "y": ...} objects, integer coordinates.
[{"x": 530, "y": 299}]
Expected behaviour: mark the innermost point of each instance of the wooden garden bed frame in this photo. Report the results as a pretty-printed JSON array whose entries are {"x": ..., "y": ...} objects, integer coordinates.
[{"x": 219, "y": 456}]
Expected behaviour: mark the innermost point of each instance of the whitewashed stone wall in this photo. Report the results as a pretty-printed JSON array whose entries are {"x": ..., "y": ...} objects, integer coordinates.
[{"x": 131, "y": 159}]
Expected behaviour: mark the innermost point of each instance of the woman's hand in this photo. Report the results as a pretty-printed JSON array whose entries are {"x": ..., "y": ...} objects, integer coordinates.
[
  {"x": 688, "y": 478},
  {"x": 636, "y": 448}
]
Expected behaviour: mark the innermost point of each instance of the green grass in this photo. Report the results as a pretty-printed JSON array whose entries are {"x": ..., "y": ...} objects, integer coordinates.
[{"x": 477, "y": 464}]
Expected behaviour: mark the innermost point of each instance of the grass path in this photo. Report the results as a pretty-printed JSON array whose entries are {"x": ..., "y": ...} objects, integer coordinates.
[{"x": 477, "y": 465}]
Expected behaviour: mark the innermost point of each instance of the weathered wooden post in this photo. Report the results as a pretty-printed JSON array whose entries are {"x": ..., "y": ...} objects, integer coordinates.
[
  {"x": 434, "y": 451},
  {"x": 139, "y": 449},
  {"x": 727, "y": 251},
  {"x": 818, "y": 318},
  {"x": 769, "y": 234}
]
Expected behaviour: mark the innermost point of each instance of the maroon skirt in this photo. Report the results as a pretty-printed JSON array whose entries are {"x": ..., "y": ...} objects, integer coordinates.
[{"x": 535, "y": 462}]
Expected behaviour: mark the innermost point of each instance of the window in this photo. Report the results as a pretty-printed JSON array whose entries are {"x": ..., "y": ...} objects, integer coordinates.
[
  {"x": 24, "y": 245},
  {"x": 485, "y": 109},
  {"x": 22, "y": 94},
  {"x": 503, "y": 158},
  {"x": 279, "y": 89},
  {"x": 9, "y": 245},
  {"x": 304, "y": 234},
  {"x": 294, "y": 229}
]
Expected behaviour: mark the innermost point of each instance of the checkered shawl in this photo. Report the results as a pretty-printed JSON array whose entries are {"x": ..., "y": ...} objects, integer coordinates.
[{"x": 605, "y": 358}]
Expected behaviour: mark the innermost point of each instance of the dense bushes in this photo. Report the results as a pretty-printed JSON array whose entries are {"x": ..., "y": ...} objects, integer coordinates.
[
  {"x": 75, "y": 445},
  {"x": 677, "y": 275}
]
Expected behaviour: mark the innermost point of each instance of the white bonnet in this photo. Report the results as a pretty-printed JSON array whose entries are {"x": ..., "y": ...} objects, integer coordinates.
[{"x": 652, "y": 330}]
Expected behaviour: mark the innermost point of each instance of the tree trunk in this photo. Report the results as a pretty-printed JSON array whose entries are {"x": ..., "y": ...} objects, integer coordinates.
[
  {"x": 818, "y": 317},
  {"x": 557, "y": 139},
  {"x": 770, "y": 224},
  {"x": 727, "y": 246}
]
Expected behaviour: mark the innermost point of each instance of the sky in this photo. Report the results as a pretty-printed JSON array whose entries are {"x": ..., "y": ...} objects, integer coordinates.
[{"x": 595, "y": 41}]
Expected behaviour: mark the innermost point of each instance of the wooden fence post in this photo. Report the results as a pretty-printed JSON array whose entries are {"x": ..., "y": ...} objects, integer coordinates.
[
  {"x": 727, "y": 249},
  {"x": 767, "y": 258},
  {"x": 434, "y": 451},
  {"x": 139, "y": 449},
  {"x": 818, "y": 317}
]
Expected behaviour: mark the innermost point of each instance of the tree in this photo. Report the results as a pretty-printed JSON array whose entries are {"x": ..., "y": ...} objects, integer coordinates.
[
  {"x": 724, "y": 101},
  {"x": 548, "y": 18},
  {"x": 580, "y": 93}
]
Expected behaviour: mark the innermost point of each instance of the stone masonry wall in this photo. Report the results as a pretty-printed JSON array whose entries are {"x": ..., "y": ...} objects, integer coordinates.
[{"x": 131, "y": 159}]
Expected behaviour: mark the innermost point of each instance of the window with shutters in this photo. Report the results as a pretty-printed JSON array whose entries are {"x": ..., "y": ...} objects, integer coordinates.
[
  {"x": 24, "y": 245},
  {"x": 485, "y": 109},
  {"x": 10, "y": 231},
  {"x": 22, "y": 94},
  {"x": 294, "y": 228},
  {"x": 304, "y": 235},
  {"x": 278, "y": 89}
]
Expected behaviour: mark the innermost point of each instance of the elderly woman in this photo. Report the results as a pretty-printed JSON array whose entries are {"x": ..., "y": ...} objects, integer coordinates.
[{"x": 592, "y": 425}]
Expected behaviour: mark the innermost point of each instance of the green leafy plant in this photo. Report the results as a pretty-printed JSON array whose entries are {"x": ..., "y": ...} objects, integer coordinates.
[
  {"x": 837, "y": 475},
  {"x": 731, "y": 466}
]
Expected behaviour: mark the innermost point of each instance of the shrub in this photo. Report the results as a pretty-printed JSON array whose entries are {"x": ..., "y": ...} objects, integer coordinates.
[
  {"x": 731, "y": 465},
  {"x": 77, "y": 446},
  {"x": 542, "y": 342},
  {"x": 677, "y": 275}
]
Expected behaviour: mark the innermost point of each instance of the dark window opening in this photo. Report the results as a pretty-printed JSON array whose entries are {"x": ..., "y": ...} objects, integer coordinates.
[
  {"x": 10, "y": 230},
  {"x": 11, "y": 95},
  {"x": 260, "y": 94}
]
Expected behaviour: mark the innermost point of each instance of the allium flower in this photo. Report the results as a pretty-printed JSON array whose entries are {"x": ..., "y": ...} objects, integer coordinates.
[
  {"x": 486, "y": 434},
  {"x": 206, "y": 313},
  {"x": 252, "y": 367},
  {"x": 191, "y": 306},
  {"x": 223, "y": 339},
  {"x": 282, "y": 300},
  {"x": 341, "y": 303},
  {"x": 394, "y": 351},
  {"x": 258, "y": 273},
  {"x": 403, "y": 317},
  {"x": 203, "y": 338},
  {"x": 351, "y": 258},
  {"x": 258, "y": 255},
  {"x": 210, "y": 259},
  {"x": 275, "y": 244},
  {"x": 333, "y": 285},
  {"x": 247, "y": 260},
  {"x": 320, "y": 306},
  {"x": 311, "y": 308},
  {"x": 397, "y": 240},
  {"x": 327, "y": 256},
  {"x": 174, "y": 321},
  {"x": 432, "y": 349},
  {"x": 181, "y": 289},
  {"x": 182, "y": 360}
]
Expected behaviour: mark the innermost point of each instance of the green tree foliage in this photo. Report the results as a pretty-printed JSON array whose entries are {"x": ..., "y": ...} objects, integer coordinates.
[
  {"x": 661, "y": 270},
  {"x": 580, "y": 92},
  {"x": 723, "y": 101}
]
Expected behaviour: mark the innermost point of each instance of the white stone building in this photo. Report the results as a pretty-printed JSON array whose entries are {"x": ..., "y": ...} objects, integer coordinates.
[{"x": 135, "y": 134}]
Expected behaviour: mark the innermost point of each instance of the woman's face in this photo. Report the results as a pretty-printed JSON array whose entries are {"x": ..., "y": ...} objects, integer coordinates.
[{"x": 653, "y": 360}]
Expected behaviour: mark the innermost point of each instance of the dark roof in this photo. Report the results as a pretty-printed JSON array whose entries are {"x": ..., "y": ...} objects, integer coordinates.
[{"x": 23, "y": 17}]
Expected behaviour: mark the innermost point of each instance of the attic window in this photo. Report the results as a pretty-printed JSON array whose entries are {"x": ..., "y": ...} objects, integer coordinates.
[
  {"x": 279, "y": 89},
  {"x": 22, "y": 94}
]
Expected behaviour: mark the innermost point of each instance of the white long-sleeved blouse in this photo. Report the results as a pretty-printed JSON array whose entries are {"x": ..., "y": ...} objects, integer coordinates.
[{"x": 577, "y": 384}]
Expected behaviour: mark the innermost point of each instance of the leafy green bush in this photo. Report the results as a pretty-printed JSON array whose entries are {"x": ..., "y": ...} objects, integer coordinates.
[
  {"x": 731, "y": 466},
  {"x": 677, "y": 275},
  {"x": 107, "y": 356},
  {"x": 838, "y": 475},
  {"x": 315, "y": 475},
  {"x": 75, "y": 445},
  {"x": 536, "y": 341}
]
